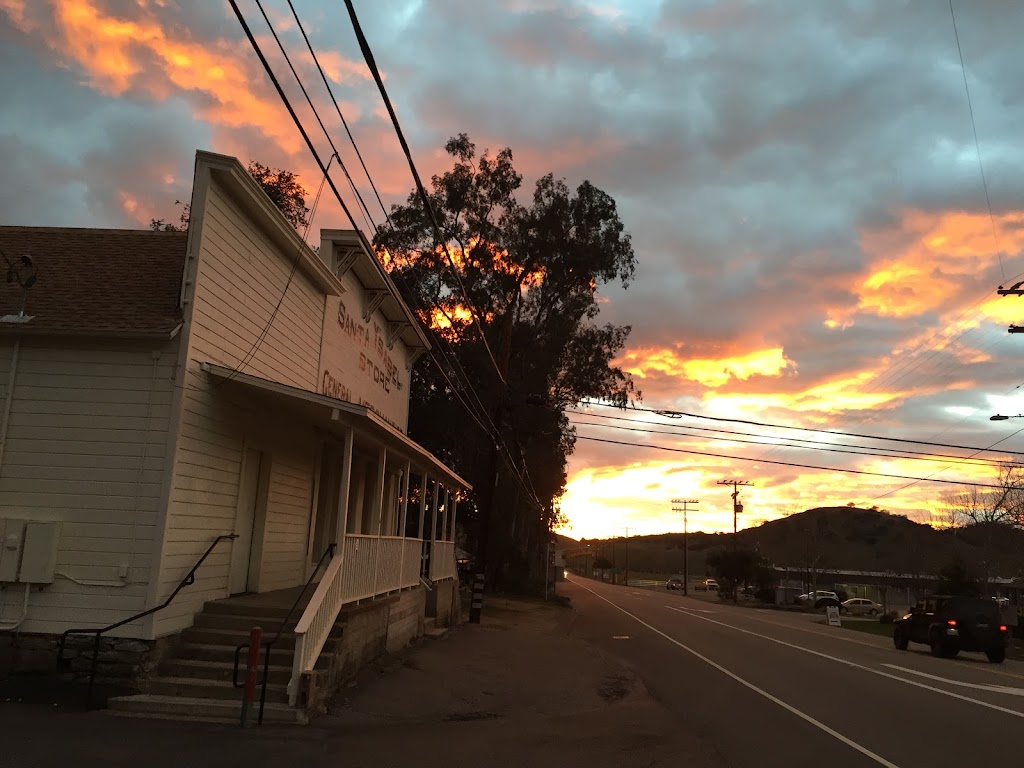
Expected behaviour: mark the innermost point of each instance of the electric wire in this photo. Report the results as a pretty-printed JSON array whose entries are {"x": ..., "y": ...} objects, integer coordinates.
[
  {"x": 788, "y": 463},
  {"x": 678, "y": 414},
  {"x": 819, "y": 446},
  {"x": 371, "y": 63},
  {"x": 355, "y": 191},
  {"x": 974, "y": 128},
  {"x": 341, "y": 117}
]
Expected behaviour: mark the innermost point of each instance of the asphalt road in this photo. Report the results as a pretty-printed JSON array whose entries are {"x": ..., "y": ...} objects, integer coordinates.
[{"x": 766, "y": 688}]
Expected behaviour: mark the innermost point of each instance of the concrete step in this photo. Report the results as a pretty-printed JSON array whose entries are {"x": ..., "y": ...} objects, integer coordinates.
[
  {"x": 217, "y": 670},
  {"x": 231, "y": 638},
  {"x": 185, "y": 708},
  {"x": 226, "y": 654},
  {"x": 436, "y": 633},
  {"x": 210, "y": 689},
  {"x": 237, "y": 623},
  {"x": 268, "y": 613}
]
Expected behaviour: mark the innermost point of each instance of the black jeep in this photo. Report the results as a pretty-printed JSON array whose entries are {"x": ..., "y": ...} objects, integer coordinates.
[{"x": 952, "y": 624}]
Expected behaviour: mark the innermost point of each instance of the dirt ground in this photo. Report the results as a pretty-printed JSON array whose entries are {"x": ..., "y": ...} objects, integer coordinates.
[{"x": 517, "y": 690}]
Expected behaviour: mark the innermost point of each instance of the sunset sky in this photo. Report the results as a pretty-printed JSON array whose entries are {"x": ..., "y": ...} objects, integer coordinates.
[{"x": 800, "y": 179}]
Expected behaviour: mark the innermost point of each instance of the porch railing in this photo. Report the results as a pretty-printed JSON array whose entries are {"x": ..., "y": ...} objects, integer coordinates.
[
  {"x": 442, "y": 560},
  {"x": 368, "y": 566}
]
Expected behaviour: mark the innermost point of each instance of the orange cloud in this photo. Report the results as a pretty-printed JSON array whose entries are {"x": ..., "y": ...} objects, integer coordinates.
[
  {"x": 120, "y": 54},
  {"x": 711, "y": 372},
  {"x": 927, "y": 272}
]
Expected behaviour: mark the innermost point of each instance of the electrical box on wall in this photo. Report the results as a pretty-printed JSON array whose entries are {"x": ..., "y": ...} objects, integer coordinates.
[
  {"x": 39, "y": 553},
  {"x": 11, "y": 539}
]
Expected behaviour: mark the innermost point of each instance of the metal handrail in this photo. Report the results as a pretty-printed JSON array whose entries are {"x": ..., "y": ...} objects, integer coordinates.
[
  {"x": 189, "y": 580},
  {"x": 269, "y": 644}
]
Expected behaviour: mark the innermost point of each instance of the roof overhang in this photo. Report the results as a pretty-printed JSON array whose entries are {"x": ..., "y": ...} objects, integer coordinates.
[
  {"x": 373, "y": 277},
  {"x": 331, "y": 414}
]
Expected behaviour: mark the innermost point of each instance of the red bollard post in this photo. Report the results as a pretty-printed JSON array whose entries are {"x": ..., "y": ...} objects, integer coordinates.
[{"x": 252, "y": 666}]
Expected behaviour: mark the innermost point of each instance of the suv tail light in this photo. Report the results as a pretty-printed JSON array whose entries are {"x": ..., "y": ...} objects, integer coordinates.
[
  {"x": 952, "y": 622},
  {"x": 1002, "y": 627}
]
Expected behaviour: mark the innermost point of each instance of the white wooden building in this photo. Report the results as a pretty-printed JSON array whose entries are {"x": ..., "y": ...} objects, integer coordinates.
[{"x": 161, "y": 390}]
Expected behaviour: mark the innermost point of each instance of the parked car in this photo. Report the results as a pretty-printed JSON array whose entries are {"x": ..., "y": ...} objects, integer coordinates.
[
  {"x": 861, "y": 606},
  {"x": 710, "y": 585},
  {"x": 819, "y": 594},
  {"x": 950, "y": 624},
  {"x": 676, "y": 582}
]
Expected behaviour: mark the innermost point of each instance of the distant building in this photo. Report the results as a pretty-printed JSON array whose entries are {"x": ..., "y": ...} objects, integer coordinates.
[{"x": 161, "y": 390}]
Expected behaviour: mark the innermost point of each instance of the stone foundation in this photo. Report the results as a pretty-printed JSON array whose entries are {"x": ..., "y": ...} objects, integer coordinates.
[
  {"x": 441, "y": 602},
  {"x": 371, "y": 630},
  {"x": 121, "y": 661}
]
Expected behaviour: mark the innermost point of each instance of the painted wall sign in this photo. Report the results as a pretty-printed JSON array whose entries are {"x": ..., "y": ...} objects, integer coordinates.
[{"x": 356, "y": 364}]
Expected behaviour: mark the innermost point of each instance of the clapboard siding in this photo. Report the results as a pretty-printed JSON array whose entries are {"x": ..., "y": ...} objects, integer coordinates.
[
  {"x": 85, "y": 446},
  {"x": 242, "y": 277},
  {"x": 242, "y": 282}
]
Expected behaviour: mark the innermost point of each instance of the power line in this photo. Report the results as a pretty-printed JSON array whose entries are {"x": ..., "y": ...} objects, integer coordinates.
[
  {"x": 934, "y": 460},
  {"x": 974, "y": 127},
  {"x": 906, "y": 453},
  {"x": 365, "y": 211},
  {"x": 915, "y": 482},
  {"x": 344, "y": 122},
  {"x": 788, "y": 463},
  {"x": 678, "y": 414},
  {"x": 371, "y": 64}
]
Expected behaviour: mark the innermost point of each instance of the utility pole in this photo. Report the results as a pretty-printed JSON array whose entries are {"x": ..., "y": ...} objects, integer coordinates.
[
  {"x": 686, "y": 542},
  {"x": 627, "y": 557},
  {"x": 1013, "y": 290},
  {"x": 489, "y": 490},
  {"x": 736, "y": 506}
]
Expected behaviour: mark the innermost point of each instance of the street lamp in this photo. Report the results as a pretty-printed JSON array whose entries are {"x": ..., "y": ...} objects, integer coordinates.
[{"x": 1000, "y": 417}]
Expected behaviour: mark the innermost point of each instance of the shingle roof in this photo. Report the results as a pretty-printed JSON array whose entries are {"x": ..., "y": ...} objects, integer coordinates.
[{"x": 95, "y": 281}]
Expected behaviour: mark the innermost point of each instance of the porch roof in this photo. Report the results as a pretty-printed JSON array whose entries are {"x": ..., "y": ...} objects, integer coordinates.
[{"x": 333, "y": 415}]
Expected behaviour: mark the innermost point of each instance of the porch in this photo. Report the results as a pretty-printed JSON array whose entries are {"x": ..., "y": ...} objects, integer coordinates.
[{"x": 381, "y": 520}]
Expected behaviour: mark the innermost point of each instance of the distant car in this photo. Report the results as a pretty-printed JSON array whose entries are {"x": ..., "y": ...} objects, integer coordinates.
[
  {"x": 676, "y": 582},
  {"x": 950, "y": 624},
  {"x": 710, "y": 585},
  {"x": 861, "y": 606},
  {"x": 819, "y": 594}
]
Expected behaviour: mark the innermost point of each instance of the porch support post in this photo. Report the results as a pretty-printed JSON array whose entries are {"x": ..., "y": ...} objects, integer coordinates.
[
  {"x": 433, "y": 516},
  {"x": 403, "y": 522},
  {"x": 424, "y": 482},
  {"x": 455, "y": 508},
  {"x": 444, "y": 516},
  {"x": 344, "y": 489},
  {"x": 433, "y": 529},
  {"x": 378, "y": 511},
  {"x": 314, "y": 508},
  {"x": 378, "y": 493}
]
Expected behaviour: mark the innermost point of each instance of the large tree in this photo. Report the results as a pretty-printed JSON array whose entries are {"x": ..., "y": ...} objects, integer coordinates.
[
  {"x": 987, "y": 512},
  {"x": 281, "y": 186},
  {"x": 523, "y": 273}
]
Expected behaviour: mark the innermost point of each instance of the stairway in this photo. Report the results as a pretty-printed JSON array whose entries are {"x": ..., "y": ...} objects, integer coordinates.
[{"x": 195, "y": 684}]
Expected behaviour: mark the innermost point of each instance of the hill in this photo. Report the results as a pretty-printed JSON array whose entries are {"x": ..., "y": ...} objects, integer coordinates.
[{"x": 836, "y": 537}]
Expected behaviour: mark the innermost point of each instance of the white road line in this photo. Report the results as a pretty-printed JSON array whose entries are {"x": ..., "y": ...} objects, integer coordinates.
[
  {"x": 788, "y": 707},
  {"x": 977, "y": 686},
  {"x": 698, "y": 610},
  {"x": 855, "y": 665}
]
